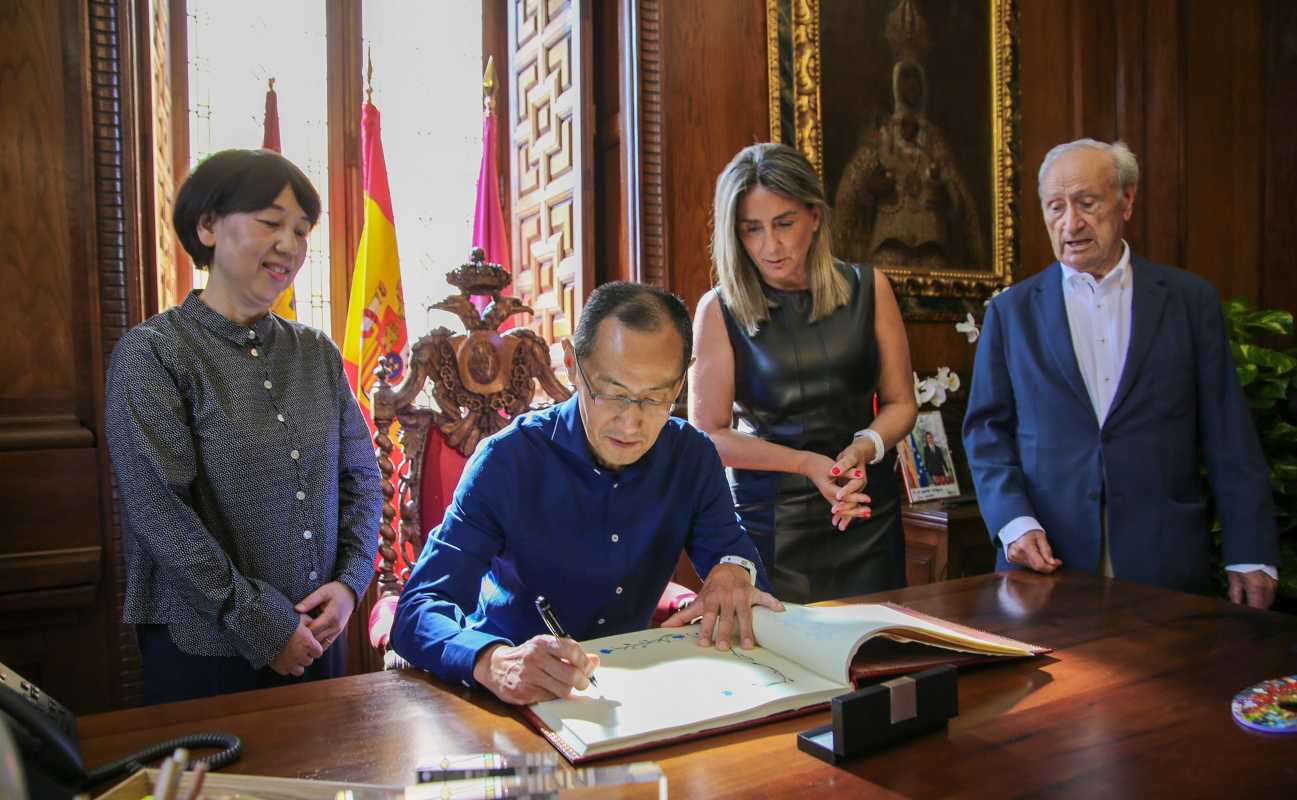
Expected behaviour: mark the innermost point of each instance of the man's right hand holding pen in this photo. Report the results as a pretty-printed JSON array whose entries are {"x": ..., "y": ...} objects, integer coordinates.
[{"x": 542, "y": 668}]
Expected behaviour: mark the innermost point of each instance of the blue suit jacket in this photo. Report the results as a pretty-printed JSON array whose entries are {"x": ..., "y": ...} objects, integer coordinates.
[{"x": 1037, "y": 449}]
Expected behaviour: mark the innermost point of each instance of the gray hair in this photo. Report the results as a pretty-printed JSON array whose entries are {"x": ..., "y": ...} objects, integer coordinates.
[{"x": 1122, "y": 158}]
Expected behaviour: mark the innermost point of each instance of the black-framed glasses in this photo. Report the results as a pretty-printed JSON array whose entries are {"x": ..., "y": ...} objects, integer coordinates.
[{"x": 620, "y": 404}]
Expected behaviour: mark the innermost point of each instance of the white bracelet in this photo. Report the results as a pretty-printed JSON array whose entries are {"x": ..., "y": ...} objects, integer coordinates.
[
  {"x": 740, "y": 561},
  {"x": 873, "y": 436}
]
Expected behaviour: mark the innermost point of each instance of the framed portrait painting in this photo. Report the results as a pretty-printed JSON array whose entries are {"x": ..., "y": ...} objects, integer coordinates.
[{"x": 907, "y": 109}]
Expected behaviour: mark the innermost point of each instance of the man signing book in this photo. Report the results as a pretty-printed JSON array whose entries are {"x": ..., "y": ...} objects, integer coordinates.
[{"x": 589, "y": 503}]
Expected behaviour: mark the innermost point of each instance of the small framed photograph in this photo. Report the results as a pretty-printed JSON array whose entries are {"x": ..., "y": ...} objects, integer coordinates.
[{"x": 925, "y": 460}]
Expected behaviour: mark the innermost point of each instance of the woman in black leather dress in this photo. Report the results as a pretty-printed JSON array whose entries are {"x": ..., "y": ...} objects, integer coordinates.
[{"x": 793, "y": 346}]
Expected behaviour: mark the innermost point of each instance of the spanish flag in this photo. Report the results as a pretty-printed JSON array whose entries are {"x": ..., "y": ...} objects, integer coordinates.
[
  {"x": 286, "y": 304},
  {"x": 376, "y": 311}
]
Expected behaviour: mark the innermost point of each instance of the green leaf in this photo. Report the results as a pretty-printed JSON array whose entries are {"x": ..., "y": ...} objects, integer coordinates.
[
  {"x": 1285, "y": 473},
  {"x": 1265, "y": 357},
  {"x": 1272, "y": 321},
  {"x": 1280, "y": 434},
  {"x": 1246, "y": 372},
  {"x": 1269, "y": 389},
  {"x": 1236, "y": 307}
]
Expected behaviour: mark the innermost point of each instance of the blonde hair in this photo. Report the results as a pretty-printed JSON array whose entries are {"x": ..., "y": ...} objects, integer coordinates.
[{"x": 784, "y": 171}]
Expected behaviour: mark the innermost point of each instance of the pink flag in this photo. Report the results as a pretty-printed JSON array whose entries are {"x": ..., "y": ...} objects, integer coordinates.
[
  {"x": 489, "y": 232},
  {"x": 270, "y": 138}
]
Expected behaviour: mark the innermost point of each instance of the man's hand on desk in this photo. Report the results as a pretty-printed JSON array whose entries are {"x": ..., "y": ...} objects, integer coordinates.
[
  {"x": 335, "y": 602},
  {"x": 300, "y": 651},
  {"x": 1255, "y": 588},
  {"x": 541, "y": 668},
  {"x": 727, "y": 597},
  {"x": 1032, "y": 550}
]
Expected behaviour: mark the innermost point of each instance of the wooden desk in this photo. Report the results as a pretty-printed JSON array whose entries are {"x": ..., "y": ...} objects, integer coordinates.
[{"x": 1134, "y": 703}]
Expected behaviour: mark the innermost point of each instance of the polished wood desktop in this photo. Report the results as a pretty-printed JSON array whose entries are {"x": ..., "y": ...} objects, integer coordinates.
[{"x": 1134, "y": 702}]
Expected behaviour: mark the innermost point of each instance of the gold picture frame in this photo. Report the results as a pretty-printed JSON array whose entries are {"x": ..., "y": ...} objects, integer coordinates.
[{"x": 974, "y": 178}]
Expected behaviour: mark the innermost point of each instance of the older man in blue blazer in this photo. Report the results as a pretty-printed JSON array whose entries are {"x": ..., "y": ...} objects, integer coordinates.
[{"x": 1101, "y": 384}]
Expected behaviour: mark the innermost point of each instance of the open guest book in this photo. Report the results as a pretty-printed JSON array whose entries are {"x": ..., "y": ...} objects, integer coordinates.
[{"x": 658, "y": 686}]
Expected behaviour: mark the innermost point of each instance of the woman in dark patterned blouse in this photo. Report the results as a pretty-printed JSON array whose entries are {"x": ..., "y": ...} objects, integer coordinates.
[{"x": 250, "y": 496}]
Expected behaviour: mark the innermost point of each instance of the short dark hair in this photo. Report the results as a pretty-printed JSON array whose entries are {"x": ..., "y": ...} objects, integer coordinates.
[
  {"x": 233, "y": 182},
  {"x": 639, "y": 307}
]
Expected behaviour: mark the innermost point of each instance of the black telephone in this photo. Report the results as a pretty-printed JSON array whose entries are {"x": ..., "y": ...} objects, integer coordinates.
[{"x": 46, "y": 733}]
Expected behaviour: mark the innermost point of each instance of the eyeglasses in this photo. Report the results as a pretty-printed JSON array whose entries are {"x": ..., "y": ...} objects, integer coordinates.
[{"x": 620, "y": 404}]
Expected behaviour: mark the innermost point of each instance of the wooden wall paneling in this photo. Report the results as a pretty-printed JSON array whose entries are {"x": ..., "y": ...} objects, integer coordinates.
[
  {"x": 551, "y": 188},
  {"x": 156, "y": 177},
  {"x": 127, "y": 284},
  {"x": 1278, "y": 260},
  {"x": 1094, "y": 53},
  {"x": 345, "y": 80},
  {"x": 47, "y": 516},
  {"x": 713, "y": 87},
  {"x": 1160, "y": 204},
  {"x": 346, "y": 184},
  {"x": 628, "y": 67},
  {"x": 178, "y": 51},
  {"x": 938, "y": 344},
  {"x": 135, "y": 53},
  {"x": 71, "y": 260},
  {"x": 652, "y": 250},
  {"x": 1223, "y": 109},
  {"x": 1130, "y": 106},
  {"x": 1045, "y": 97},
  {"x": 38, "y": 370},
  {"x": 611, "y": 253},
  {"x": 582, "y": 268}
]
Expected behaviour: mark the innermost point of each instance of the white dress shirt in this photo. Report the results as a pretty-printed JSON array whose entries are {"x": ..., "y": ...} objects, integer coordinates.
[{"x": 1098, "y": 317}]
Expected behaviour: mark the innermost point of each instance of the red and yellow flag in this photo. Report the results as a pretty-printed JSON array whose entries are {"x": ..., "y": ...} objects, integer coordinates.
[
  {"x": 286, "y": 304},
  {"x": 376, "y": 310}
]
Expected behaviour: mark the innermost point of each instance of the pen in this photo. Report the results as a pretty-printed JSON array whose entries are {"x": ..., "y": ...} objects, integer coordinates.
[{"x": 551, "y": 622}]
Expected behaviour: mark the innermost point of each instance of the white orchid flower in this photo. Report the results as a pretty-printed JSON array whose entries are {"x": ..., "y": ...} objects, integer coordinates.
[
  {"x": 948, "y": 379},
  {"x": 938, "y": 392},
  {"x": 923, "y": 389},
  {"x": 969, "y": 328}
]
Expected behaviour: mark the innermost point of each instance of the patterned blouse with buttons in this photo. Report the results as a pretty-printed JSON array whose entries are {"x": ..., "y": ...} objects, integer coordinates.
[{"x": 245, "y": 473}]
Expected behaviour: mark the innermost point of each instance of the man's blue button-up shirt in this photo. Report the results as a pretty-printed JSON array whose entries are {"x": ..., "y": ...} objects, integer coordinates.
[{"x": 535, "y": 515}]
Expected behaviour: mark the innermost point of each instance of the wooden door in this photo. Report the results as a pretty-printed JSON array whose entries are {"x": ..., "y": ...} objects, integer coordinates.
[
  {"x": 550, "y": 150},
  {"x": 71, "y": 267}
]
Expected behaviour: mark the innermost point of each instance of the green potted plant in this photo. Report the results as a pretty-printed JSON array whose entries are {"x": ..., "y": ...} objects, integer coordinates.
[{"x": 1269, "y": 378}]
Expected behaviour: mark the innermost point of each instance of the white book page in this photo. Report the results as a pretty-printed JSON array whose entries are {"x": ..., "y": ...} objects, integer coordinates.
[
  {"x": 824, "y": 639},
  {"x": 661, "y": 682}
]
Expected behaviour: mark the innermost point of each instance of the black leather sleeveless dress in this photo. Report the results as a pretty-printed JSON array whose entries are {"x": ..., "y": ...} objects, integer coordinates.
[{"x": 810, "y": 386}]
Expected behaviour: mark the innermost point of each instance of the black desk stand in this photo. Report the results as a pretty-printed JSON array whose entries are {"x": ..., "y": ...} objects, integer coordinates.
[{"x": 877, "y": 716}]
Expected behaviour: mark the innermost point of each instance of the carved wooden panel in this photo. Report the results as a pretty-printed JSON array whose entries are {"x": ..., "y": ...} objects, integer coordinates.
[
  {"x": 549, "y": 143},
  {"x": 36, "y": 264},
  {"x": 123, "y": 284}
]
